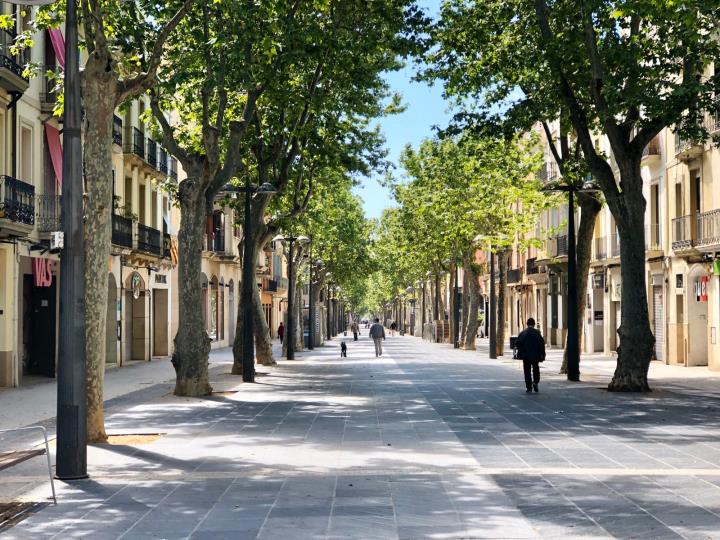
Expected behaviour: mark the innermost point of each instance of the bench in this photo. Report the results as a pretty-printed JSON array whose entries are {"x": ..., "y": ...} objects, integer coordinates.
[{"x": 15, "y": 457}]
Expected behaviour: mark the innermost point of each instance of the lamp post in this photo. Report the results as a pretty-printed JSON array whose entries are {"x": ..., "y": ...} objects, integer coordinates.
[
  {"x": 573, "y": 339},
  {"x": 71, "y": 460},
  {"x": 290, "y": 331},
  {"x": 491, "y": 311},
  {"x": 317, "y": 265},
  {"x": 248, "y": 274}
]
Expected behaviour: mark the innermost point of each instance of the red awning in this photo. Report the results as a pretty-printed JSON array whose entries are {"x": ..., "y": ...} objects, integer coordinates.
[
  {"x": 58, "y": 43},
  {"x": 56, "y": 154}
]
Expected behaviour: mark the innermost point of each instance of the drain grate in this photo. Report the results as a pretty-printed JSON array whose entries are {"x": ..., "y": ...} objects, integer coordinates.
[{"x": 14, "y": 512}]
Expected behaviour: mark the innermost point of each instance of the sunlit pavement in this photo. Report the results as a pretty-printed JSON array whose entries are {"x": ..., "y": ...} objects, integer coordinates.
[{"x": 424, "y": 442}]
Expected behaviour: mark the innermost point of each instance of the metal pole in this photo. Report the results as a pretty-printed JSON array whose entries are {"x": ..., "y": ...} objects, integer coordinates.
[
  {"x": 328, "y": 330},
  {"x": 246, "y": 295},
  {"x": 456, "y": 311},
  {"x": 290, "y": 331},
  {"x": 573, "y": 341},
  {"x": 493, "y": 302},
  {"x": 311, "y": 306},
  {"x": 71, "y": 459}
]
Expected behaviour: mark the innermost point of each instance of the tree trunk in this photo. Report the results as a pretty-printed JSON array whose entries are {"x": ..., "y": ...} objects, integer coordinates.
[
  {"x": 590, "y": 208},
  {"x": 263, "y": 343},
  {"x": 636, "y": 337},
  {"x": 192, "y": 344},
  {"x": 502, "y": 285},
  {"x": 465, "y": 307},
  {"x": 98, "y": 84},
  {"x": 473, "y": 301},
  {"x": 299, "y": 337}
]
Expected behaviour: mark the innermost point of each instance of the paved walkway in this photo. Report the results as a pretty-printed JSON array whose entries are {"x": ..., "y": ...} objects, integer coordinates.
[{"x": 425, "y": 442}]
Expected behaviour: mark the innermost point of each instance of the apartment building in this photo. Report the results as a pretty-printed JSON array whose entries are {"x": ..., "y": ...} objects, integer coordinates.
[{"x": 141, "y": 281}]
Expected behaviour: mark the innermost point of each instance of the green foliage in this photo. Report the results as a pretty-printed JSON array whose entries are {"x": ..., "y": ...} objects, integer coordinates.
[{"x": 457, "y": 189}]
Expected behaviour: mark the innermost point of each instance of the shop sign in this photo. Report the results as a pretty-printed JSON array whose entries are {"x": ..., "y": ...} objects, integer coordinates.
[
  {"x": 701, "y": 285},
  {"x": 42, "y": 271}
]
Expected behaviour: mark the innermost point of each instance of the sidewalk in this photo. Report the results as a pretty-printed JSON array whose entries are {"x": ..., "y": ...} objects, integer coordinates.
[{"x": 424, "y": 442}]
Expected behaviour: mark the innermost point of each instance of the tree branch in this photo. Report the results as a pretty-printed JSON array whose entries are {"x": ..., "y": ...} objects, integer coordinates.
[
  {"x": 143, "y": 82},
  {"x": 169, "y": 140}
]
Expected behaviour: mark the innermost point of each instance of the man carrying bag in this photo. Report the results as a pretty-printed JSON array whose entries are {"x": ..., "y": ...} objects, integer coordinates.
[{"x": 531, "y": 350}]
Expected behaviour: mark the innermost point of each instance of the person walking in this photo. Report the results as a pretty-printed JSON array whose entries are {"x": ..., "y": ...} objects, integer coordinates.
[
  {"x": 355, "y": 329},
  {"x": 393, "y": 327},
  {"x": 281, "y": 332},
  {"x": 377, "y": 333},
  {"x": 531, "y": 350}
]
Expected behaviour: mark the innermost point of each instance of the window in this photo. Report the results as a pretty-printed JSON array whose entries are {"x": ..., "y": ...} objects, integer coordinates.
[{"x": 26, "y": 154}]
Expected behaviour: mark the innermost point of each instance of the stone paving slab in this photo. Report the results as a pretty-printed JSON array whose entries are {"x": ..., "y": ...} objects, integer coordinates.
[{"x": 425, "y": 442}]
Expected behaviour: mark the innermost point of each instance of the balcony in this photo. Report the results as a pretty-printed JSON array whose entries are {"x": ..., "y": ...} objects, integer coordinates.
[
  {"x": 683, "y": 237},
  {"x": 17, "y": 201},
  {"x": 162, "y": 160},
  {"x": 11, "y": 72},
  {"x": 548, "y": 173},
  {"x": 117, "y": 130},
  {"x": 122, "y": 231},
  {"x": 708, "y": 231},
  {"x": 652, "y": 151},
  {"x": 514, "y": 275},
  {"x": 47, "y": 213},
  {"x": 615, "y": 245},
  {"x": 600, "y": 248},
  {"x": 152, "y": 153},
  {"x": 215, "y": 242},
  {"x": 173, "y": 169},
  {"x": 653, "y": 240},
  {"x": 713, "y": 122},
  {"x": 134, "y": 143},
  {"x": 531, "y": 267},
  {"x": 48, "y": 94},
  {"x": 167, "y": 243},
  {"x": 149, "y": 240},
  {"x": 562, "y": 245},
  {"x": 687, "y": 149}
]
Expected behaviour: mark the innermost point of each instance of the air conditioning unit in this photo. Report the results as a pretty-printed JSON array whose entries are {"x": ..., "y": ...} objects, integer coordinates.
[{"x": 57, "y": 240}]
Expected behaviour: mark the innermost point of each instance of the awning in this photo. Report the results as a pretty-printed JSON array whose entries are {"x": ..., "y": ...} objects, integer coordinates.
[
  {"x": 55, "y": 148},
  {"x": 58, "y": 43}
]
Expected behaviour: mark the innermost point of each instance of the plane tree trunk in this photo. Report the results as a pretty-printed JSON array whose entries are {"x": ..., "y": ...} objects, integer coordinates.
[{"x": 472, "y": 287}]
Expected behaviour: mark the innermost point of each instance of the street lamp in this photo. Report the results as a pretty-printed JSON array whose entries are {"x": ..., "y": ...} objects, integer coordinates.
[
  {"x": 317, "y": 265},
  {"x": 248, "y": 275},
  {"x": 573, "y": 339},
  {"x": 456, "y": 304},
  {"x": 290, "y": 331},
  {"x": 493, "y": 300}
]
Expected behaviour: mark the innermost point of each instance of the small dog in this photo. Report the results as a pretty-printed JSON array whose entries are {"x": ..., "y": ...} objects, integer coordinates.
[{"x": 343, "y": 349}]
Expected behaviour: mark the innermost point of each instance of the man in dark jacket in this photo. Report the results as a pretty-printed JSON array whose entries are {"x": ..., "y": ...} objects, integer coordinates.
[{"x": 531, "y": 350}]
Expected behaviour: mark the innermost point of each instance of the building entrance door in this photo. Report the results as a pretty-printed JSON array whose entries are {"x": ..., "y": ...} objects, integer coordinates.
[
  {"x": 41, "y": 328},
  {"x": 658, "y": 322}
]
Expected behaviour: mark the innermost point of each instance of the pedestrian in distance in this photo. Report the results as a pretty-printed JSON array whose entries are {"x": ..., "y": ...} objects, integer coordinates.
[
  {"x": 530, "y": 347},
  {"x": 377, "y": 333},
  {"x": 355, "y": 330},
  {"x": 343, "y": 349},
  {"x": 281, "y": 332},
  {"x": 393, "y": 327}
]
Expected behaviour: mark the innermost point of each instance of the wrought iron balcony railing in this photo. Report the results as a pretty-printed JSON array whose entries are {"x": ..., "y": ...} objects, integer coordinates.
[
  {"x": 47, "y": 213},
  {"x": 514, "y": 275},
  {"x": 17, "y": 200},
  {"x": 134, "y": 142},
  {"x": 7, "y": 59},
  {"x": 117, "y": 128},
  {"x": 122, "y": 231},
  {"x": 162, "y": 160},
  {"x": 562, "y": 245},
  {"x": 48, "y": 94},
  {"x": 682, "y": 233},
  {"x": 531, "y": 267},
  {"x": 708, "y": 228},
  {"x": 152, "y": 153},
  {"x": 149, "y": 240}
]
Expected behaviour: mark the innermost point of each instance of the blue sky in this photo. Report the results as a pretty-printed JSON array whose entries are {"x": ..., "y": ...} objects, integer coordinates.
[{"x": 425, "y": 108}]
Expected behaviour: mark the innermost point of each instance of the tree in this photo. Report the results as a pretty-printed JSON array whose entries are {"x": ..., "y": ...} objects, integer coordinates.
[
  {"x": 221, "y": 62},
  {"x": 124, "y": 44},
  {"x": 626, "y": 68},
  {"x": 464, "y": 186},
  {"x": 317, "y": 120}
]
